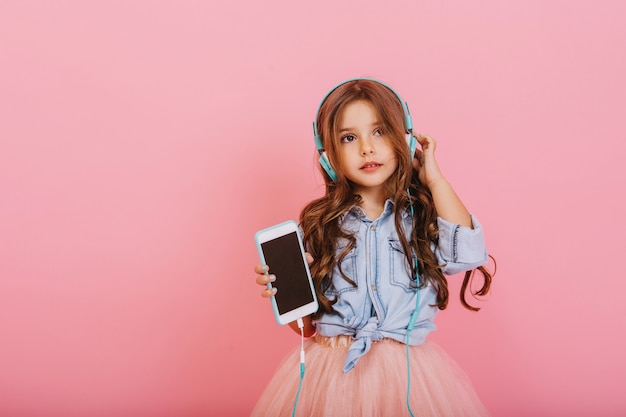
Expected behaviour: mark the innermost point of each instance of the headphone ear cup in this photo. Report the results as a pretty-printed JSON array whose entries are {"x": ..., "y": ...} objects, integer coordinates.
[
  {"x": 325, "y": 163},
  {"x": 412, "y": 142}
]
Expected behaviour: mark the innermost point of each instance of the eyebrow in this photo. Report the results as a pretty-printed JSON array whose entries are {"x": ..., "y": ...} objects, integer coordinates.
[{"x": 350, "y": 128}]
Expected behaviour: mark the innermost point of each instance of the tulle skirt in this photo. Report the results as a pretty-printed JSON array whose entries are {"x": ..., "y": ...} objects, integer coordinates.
[{"x": 376, "y": 387}]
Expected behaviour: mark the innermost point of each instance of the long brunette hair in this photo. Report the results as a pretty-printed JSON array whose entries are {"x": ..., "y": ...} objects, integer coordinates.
[{"x": 320, "y": 218}]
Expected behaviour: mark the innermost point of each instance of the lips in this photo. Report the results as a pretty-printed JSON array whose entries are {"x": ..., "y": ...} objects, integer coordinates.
[{"x": 370, "y": 166}]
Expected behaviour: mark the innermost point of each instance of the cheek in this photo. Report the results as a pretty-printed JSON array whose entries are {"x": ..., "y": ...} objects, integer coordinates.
[
  {"x": 340, "y": 156},
  {"x": 393, "y": 161}
]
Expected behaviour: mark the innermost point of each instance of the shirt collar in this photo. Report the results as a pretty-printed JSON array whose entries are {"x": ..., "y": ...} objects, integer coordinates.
[{"x": 356, "y": 212}]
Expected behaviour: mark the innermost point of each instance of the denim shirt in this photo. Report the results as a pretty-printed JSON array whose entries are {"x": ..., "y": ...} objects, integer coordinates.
[{"x": 381, "y": 304}]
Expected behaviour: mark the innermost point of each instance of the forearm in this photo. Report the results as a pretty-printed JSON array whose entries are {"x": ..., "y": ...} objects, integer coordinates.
[{"x": 448, "y": 204}]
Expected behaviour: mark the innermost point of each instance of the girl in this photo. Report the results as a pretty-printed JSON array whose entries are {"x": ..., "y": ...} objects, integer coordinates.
[{"x": 379, "y": 243}]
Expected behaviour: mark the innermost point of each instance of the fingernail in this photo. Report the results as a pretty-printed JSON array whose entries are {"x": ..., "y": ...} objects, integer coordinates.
[
  {"x": 274, "y": 290},
  {"x": 272, "y": 277},
  {"x": 264, "y": 267}
]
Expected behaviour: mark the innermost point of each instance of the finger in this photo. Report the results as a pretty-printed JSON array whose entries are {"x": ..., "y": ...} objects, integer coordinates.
[
  {"x": 268, "y": 293},
  {"x": 265, "y": 279},
  {"x": 423, "y": 144},
  {"x": 426, "y": 141},
  {"x": 309, "y": 258},
  {"x": 261, "y": 269}
]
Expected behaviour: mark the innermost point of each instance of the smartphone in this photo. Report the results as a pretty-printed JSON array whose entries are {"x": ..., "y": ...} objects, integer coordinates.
[{"x": 280, "y": 247}]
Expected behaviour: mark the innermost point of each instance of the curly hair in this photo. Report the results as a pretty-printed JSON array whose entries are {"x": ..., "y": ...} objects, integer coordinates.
[{"x": 320, "y": 219}]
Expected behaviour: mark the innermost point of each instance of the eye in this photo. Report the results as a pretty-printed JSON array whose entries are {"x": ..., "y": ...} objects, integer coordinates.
[
  {"x": 378, "y": 132},
  {"x": 347, "y": 138}
]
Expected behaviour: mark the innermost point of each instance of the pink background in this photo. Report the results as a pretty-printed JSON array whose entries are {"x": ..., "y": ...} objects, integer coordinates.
[{"x": 143, "y": 143}]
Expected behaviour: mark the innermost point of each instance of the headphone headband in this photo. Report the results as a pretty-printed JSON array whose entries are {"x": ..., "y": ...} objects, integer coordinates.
[{"x": 408, "y": 124}]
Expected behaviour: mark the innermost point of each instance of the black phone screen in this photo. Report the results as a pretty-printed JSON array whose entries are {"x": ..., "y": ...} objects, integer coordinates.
[{"x": 284, "y": 257}]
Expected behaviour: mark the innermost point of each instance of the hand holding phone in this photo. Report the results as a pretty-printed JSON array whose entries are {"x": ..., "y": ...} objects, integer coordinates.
[{"x": 280, "y": 247}]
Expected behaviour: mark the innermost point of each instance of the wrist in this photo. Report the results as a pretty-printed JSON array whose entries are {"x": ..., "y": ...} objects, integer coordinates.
[{"x": 437, "y": 183}]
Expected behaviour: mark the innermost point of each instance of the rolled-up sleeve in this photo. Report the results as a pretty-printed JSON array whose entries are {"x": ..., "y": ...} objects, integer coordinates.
[{"x": 460, "y": 248}]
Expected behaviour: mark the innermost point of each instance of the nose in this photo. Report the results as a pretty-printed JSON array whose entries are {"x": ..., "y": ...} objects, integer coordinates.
[{"x": 367, "y": 146}]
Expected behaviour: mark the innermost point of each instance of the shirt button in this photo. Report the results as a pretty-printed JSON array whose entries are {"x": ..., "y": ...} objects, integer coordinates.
[
  {"x": 373, "y": 227},
  {"x": 373, "y": 287}
]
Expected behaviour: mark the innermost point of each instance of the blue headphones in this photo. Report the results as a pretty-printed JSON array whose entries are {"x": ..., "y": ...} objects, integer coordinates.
[{"x": 408, "y": 124}]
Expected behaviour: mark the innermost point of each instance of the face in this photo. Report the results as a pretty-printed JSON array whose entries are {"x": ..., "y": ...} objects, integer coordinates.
[{"x": 368, "y": 158}]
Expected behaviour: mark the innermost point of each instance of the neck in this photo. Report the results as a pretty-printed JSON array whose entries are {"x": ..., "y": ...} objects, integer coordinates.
[{"x": 372, "y": 202}]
